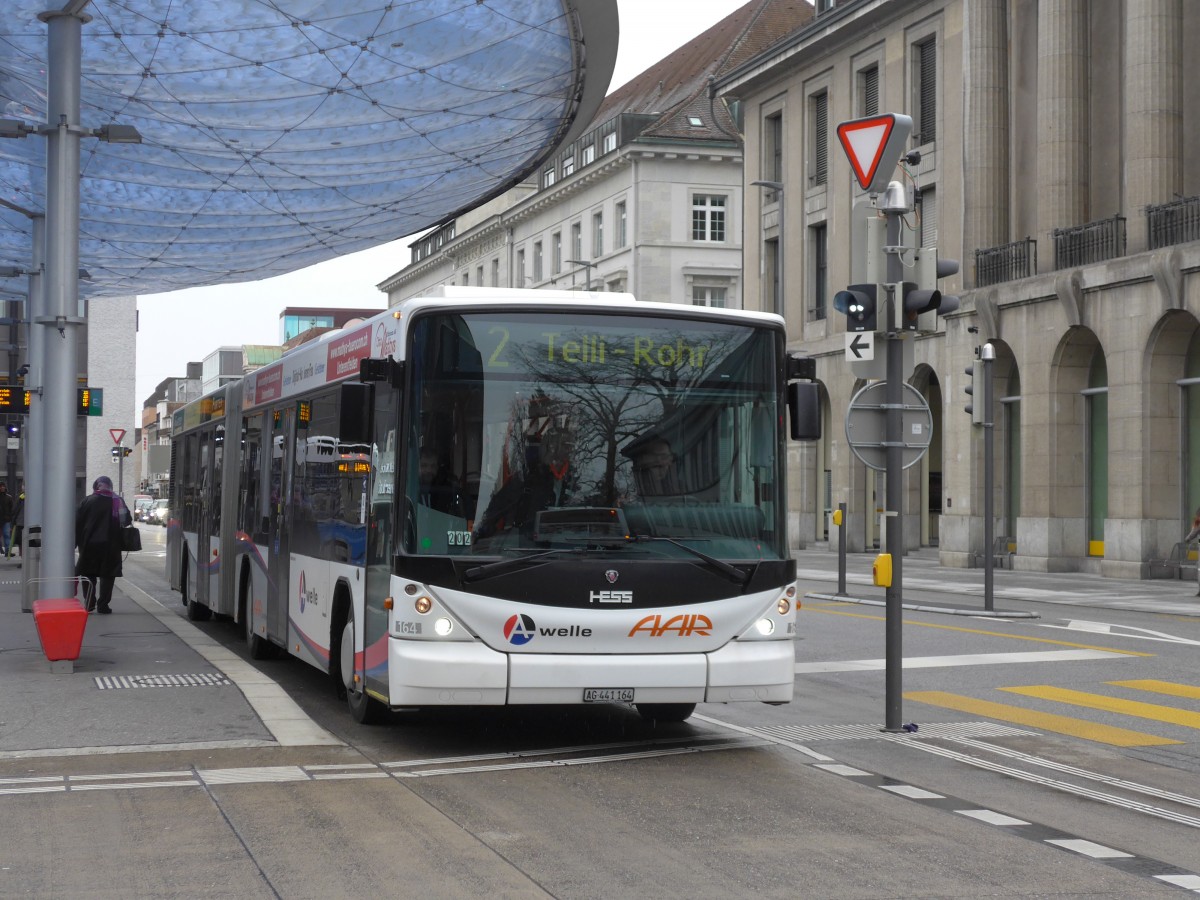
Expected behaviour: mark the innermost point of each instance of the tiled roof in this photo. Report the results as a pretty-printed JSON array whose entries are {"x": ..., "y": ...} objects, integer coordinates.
[{"x": 676, "y": 87}]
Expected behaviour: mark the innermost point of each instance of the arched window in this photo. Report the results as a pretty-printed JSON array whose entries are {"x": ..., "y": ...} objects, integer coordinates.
[
  {"x": 1190, "y": 386},
  {"x": 1010, "y": 405}
]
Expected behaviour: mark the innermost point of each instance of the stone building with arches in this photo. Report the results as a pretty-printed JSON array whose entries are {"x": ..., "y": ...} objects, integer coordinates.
[{"x": 1059, "y": 164}]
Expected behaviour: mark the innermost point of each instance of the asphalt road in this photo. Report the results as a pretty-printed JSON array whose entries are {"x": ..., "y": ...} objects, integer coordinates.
[{"x": 1053, "y": 756}]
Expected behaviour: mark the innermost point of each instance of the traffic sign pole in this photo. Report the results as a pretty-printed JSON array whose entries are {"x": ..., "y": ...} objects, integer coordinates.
[{"x": 893, "y": 634}]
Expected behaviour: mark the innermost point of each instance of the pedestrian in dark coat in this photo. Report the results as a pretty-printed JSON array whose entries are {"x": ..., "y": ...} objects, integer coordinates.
[{"x": 98, "y": 523}]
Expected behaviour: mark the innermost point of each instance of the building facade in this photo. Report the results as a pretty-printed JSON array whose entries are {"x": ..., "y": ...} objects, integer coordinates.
[
  {"x": 1058, "y": 163},
  {"x": 647, "y": 201}
]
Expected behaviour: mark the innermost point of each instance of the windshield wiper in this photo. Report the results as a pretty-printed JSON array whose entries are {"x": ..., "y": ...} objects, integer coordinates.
[
  {"x": 733, "y": 573},
  {"x": 492, "y": 569}
]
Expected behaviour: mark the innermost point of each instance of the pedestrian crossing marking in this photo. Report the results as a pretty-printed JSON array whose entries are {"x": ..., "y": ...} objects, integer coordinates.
[
  {"x": 1189, "y": 691},
  {"x": 1091, "y": 731},
  {"x": 1137, "y": 708}
]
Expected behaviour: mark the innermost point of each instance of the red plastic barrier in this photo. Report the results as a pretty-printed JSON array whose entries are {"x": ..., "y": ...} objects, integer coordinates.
[{"x": 60, "y": 625}]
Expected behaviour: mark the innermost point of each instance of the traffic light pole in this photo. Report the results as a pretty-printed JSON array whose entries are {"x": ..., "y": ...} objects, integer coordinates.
[
  {"x": 988, "y": 356},
  {"x": 894, "y": 440}
]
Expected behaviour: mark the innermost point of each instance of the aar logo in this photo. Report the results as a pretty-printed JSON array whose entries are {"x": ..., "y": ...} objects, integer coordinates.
[{"x": 519, "y": 630}]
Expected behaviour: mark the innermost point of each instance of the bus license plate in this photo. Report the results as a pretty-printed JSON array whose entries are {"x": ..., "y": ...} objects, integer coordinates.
[{"x": 608, "y": 695}]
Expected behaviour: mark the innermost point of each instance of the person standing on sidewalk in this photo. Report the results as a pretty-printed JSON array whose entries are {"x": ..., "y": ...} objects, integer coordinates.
[
  {"x": 98, "y": 523},
  {"x": 18, "y": 518},
  {"x": 6, "y": 514}
]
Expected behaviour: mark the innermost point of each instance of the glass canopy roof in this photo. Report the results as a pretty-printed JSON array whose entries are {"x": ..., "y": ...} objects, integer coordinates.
[{"x": 281, "y": 133}]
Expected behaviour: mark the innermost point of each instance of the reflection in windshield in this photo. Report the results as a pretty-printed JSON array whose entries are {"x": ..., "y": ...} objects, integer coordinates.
[{"x": 671, "y": 422}]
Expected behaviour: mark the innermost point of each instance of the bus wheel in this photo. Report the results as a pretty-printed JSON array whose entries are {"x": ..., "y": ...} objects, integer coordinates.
[
  {"x": 665, "y": 712},
  {"x": 365, "y": 708},
  {"x": 258, "y": 646}
]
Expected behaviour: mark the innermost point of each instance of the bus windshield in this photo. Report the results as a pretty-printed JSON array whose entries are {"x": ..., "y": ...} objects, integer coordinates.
[{"x": 666, "y": 428}]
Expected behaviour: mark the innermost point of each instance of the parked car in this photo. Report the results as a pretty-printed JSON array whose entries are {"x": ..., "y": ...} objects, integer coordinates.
[{"x": 158, "y": 514}]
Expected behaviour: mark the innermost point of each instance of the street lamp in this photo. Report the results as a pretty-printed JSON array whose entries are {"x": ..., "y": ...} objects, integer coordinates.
[
  {"x": 588, "y": 266},
  {"x": 777, "y": 187}
]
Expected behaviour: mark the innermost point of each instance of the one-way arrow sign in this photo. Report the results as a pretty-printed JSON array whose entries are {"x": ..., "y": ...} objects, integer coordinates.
[{"x": 860, "y": 345}]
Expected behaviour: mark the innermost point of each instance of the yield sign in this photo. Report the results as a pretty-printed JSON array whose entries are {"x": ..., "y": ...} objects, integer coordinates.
[
  {"x": 874, "y": 146},
  {"x": 118, "y": 434}
]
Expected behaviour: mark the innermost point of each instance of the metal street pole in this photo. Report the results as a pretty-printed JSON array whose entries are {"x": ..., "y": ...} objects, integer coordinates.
[
  {"x": 63, "y": 315},
  {"x": 894, "y": 207},
  {"x": 988, "y": 356}
]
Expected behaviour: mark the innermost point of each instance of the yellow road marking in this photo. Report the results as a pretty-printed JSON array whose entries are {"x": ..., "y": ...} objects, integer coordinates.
[
  {"x": 999, "y": 634},
  {"x": 1170, "y": 688},
  {"x": 1090, "y": 731},
  {"x": 1136, "y": 708}
]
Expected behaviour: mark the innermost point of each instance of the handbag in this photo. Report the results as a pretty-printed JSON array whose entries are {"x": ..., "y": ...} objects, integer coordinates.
[{"x": 131, "y": 538}]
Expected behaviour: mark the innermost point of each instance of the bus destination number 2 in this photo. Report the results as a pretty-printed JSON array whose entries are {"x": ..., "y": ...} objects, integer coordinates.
[{"x": 458, "y": 538}]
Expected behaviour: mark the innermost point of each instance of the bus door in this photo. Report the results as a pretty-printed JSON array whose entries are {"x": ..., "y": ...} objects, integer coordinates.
[
  {"x": 279, "y": 534},
  {"x": 380, "y": 533}
]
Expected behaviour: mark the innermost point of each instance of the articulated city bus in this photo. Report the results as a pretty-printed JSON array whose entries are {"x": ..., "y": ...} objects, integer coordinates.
[{"x": 487, "y": 497}]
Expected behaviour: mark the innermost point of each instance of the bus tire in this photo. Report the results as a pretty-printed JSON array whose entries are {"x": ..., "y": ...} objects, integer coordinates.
[
  {"x": 256, "y": 645},
  {"x": 365, "y": 709},
  {"x": 665, "y": 712}
]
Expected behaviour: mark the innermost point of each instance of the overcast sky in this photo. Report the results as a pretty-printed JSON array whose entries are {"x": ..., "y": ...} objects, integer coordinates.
[{"x": 187, "y": 325}]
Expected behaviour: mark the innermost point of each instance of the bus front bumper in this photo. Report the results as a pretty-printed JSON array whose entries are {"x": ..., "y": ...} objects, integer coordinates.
[{"x": 428, "y": 673}]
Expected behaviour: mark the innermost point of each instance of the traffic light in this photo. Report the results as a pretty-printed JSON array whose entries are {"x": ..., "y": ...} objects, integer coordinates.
[
  {"x": 858, "y": 303},
  {"x": 126, "y": 451},
  {"x": 922, "y": 301},
  {"x": 975, "y": 392}
]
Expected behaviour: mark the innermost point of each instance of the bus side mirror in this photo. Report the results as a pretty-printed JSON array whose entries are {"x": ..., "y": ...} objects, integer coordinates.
[
  {"x": 804, "y": 410},
  {"x": 354, "y": 413}
]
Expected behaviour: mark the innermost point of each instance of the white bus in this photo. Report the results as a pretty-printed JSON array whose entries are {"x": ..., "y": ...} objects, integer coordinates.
[{"x": 489, "y": 496}]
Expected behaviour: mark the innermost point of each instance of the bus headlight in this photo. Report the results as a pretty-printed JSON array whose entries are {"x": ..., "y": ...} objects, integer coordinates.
[
  {"x": 423, "y": 605},
  {"x": 443, "y": 626},
  {"x": 765, "y": 627},
  {"x": 784, "y": 606}
]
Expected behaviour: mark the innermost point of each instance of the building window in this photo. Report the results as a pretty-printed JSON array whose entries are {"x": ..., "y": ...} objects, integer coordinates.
[
  {"x": 577, "y": 240},
  {"x": 924, "y": 102},
  {"x": 773, "y": 152},
  {"x": 495, "y": 273},
  {"x": 707, "y": 295},
  {"x": 708, "y": 217},
  {"x": 548, "y": 176},
  {"x": 479, "y": 275},
  {"x": 610, "y": 141},
  {"x": 556, "y": 251},
  {"x": 568, "y": 163},
  {"x": 818, "y": 240},
  {"x": 597, "y": 235},
  {"x": 818, "y": 108},
  {"x": 537, "y": 261},
  {"x": 589, "y": 154},
  {"x": 929, "y": 217},
  {"x": 619, "y": 237},
  {"x": 519, "y": 275},
  {"x": 868, "y": 91},
  {"x": 771, "y": 275},
  {"x": 467, "y": 277}
]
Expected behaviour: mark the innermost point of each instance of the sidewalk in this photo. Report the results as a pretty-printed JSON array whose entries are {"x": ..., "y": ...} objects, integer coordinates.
[
  {"x": 924, "y": 582},
  {"x": 146, "y": 678}
]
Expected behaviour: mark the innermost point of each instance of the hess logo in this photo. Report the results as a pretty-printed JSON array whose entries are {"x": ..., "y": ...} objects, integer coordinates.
[{"x": 685, "y": 625}]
